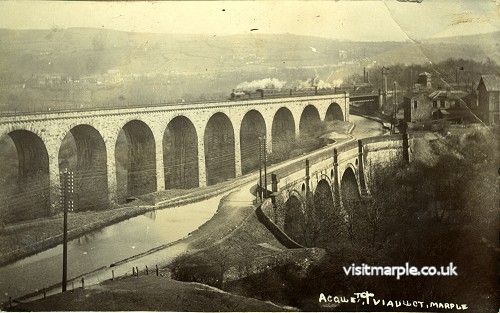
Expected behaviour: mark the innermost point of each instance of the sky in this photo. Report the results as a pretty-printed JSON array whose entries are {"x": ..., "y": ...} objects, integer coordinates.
[{"x": 345, "y": 20}]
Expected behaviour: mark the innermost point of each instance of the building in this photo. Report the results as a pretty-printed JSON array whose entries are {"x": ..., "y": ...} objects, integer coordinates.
[
  {"x": 488, "y": 99},
  {"x": 425, "y": 80},
  {"x": 421, "y": 106}
]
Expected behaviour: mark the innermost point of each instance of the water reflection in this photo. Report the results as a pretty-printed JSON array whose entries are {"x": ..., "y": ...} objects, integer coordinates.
[{"x": 151, "y": 215}]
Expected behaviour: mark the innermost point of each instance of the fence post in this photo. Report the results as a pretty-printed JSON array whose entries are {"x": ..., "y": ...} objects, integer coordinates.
[
  {"x": 307, "y": 177},
  {"x": 83, "y": 283},
  {"x": 406, "y": 146},
  {"x": 274, "y": 188},
  {"x": 157, "y": 272},
  {"x": 147, "y": 270},
  {"x": 112, "y": 274}
]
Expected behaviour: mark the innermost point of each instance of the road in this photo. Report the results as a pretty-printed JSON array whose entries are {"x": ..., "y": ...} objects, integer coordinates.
[{"x": 147, "y": 236}]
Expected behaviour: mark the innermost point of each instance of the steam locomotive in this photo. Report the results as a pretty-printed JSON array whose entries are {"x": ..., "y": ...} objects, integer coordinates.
[{"x": 263, "y": 93}]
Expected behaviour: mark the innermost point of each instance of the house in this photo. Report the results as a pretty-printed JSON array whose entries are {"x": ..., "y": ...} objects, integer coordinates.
[
  {"x": 488, "y": 99},
  {"x": 420, "y": 106}
]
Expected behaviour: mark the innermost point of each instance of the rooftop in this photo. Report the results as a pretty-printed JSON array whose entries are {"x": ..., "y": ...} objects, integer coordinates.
[{"x": 491, "y": 81}]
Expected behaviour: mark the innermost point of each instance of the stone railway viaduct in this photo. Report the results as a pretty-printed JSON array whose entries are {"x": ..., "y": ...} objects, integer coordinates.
[{"x": 166, "y": 146}]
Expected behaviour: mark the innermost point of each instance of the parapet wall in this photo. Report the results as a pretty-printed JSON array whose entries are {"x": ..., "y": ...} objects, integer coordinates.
[{"x": 267, "y": 215}]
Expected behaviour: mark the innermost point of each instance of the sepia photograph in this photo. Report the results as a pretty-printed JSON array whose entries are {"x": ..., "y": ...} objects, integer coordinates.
[{"x": 236, "y": 156}]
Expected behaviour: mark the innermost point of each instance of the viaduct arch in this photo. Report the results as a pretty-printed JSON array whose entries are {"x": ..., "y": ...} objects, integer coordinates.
[
  {"x": 26, "y": 191},
  {"x": 180, "y": 152},
  {"x": 117, "y": 153},
  {"x": 87, "y": 159},
  {"x": 283, "y": 129},
  {"x": 219, "y": 149},
  {"x": 253, "y": 126},
  {"x": 136, "y": 159},
  {"x": 309, "y": 120},
  {"x": 334, "y": 113}
]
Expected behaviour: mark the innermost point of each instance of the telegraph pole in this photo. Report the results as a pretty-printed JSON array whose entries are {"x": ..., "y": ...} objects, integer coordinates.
[
  {"x": 260, "y": 168},
  {"x": 384, "y": 78},
  {"x": 265, "y": 168},
  {"x": 67, "y": 203},
  {"x": 395, "y": 109}
]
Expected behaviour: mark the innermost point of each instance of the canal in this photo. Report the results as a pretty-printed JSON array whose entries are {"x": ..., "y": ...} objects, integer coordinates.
[{"x": 106, "y": 246}]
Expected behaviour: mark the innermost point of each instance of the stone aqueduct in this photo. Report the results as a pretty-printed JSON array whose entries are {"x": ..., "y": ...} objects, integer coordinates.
[
  {"x": 168, "y": 146},
  {"x": 347, "y": 175}
]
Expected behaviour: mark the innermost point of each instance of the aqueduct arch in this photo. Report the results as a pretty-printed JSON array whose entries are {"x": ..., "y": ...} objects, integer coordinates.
[
  {"x": 349, "y": 190},
  {"x": 294, "y": 224}
]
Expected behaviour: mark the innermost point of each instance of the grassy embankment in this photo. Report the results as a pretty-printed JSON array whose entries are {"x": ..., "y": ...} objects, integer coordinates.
[{"x": 157, "y": 294}]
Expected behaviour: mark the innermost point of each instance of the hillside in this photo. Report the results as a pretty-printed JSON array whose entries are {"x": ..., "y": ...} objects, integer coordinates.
[
  {"x": 83, "y": 51},
  {"x": 169, "y": 67},
  {"x": 476, "y": 47}
]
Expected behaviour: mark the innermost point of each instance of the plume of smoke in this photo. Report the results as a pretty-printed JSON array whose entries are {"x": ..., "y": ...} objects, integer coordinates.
[
  {"x": 316, "y": 82},
  {"x": 337, "y": 82},
  {"x": 266, "y": 83}
]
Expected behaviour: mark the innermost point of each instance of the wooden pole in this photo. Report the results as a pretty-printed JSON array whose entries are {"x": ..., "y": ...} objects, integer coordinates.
[
  {"x": 260, "y": 168},
  {"x": 265, "y": 168},
  {"x": 67, "y": 202}
]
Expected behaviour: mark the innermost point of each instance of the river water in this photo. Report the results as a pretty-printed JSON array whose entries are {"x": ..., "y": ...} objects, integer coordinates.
[{"x": 104, "y": 247}]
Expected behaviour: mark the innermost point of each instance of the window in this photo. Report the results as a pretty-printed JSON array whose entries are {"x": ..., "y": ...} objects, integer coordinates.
[
  {"x": 415, "y": 103},
  {"x": 434, "y": 104}
]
